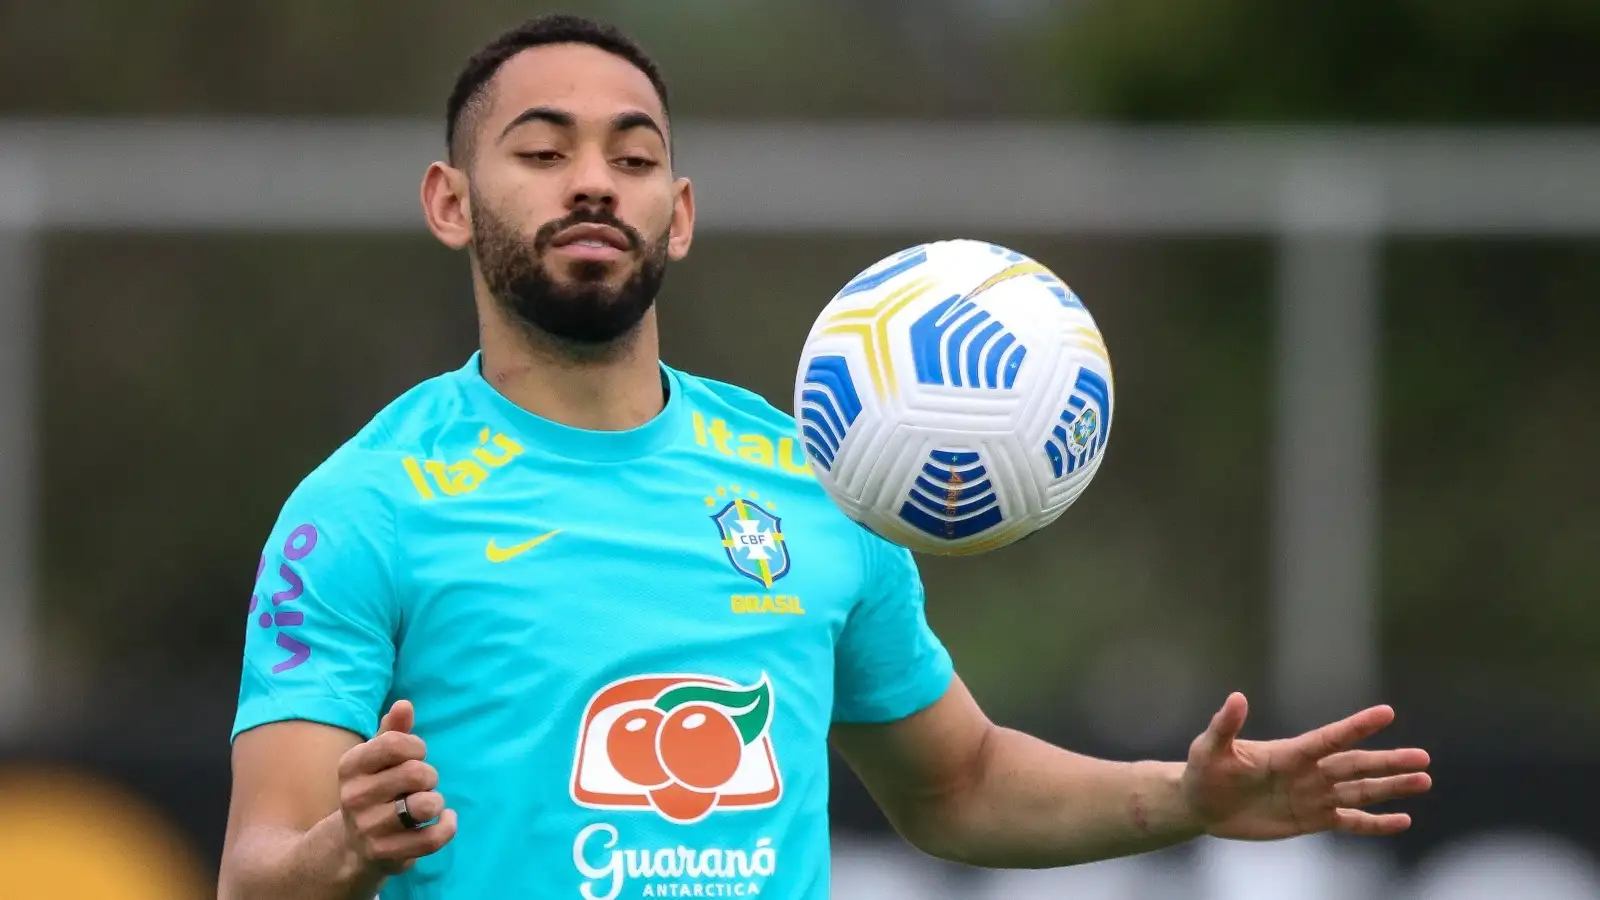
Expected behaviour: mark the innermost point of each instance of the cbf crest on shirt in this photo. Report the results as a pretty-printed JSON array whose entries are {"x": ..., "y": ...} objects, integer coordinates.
[{"x": 753, "y": 537}]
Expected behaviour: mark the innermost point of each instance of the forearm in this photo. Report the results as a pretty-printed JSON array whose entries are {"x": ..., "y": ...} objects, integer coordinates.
[
  {"x": 1033, "y": 805},
  {"x": 283, "y": 864}
]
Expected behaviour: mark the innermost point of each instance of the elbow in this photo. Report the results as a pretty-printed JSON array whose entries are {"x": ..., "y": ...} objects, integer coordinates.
[
  {"x": 243, "y": 870},
  {"x": 235, "y": 880},
  {"x": 942, "y": 831},
  {"x": 946, "y": 820},
  {"x": 229, "y": 886},
  {"x": 941, "y": 844}
]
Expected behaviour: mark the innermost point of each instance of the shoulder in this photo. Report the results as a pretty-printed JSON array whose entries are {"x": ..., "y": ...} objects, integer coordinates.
[
  {"x": 733, "y": 403},
  {"x": 732, "y": 415},
  {"x": 368, "y": 473},
  {"x": 732, "y": 421}
]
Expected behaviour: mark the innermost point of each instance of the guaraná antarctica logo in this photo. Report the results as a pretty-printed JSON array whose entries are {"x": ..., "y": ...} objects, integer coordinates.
[{"x": 682, "y": 747}]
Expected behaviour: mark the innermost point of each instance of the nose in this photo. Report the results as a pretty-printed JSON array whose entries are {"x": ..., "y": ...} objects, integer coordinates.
[{"x": 592, "y": 182}]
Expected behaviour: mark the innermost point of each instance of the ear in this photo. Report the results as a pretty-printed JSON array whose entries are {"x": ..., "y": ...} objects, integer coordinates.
[
  {"x": 682, "y": 234},
  {"x": 446, "y": 206}
]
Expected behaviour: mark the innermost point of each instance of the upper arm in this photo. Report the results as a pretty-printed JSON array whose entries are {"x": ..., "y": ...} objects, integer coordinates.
[
  {"x": 319, "y": 651},
  {"x": 285, "y": 781},
  {"x": 888, "y": 663},
  {"x": 321, "y": 633},
  {"x": 904, "y": 722},
  {"x": 286, "y": 775}
]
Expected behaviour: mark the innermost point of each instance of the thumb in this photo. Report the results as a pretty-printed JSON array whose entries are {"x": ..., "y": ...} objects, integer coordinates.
[
  {"x": 1226, "y": 724},
  {"x": 400, "y": 717}
]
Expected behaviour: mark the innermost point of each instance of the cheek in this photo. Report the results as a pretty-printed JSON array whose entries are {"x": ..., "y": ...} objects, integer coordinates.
[
  {"x": 648, "y": 209},
  {"x": 519, "y": 200},
  {"x": 661, "y": 221}
]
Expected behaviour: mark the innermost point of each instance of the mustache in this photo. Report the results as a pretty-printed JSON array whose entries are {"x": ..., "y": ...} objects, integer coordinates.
[{"x": 548, "y": 231}]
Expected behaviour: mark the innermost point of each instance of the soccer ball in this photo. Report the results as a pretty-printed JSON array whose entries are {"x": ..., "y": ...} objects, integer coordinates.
[{"x": 954, "y": 397}]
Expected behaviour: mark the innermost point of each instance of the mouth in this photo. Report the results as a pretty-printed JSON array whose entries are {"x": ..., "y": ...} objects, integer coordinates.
[{"x": 592, "y": 242}]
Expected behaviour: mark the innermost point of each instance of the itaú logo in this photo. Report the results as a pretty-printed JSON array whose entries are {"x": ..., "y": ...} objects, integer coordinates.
[{"x": 452, "y": 479}]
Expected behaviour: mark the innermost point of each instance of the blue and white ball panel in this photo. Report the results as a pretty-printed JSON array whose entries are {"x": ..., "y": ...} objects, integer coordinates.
[
  {"x": 838, "y": 416},
  {"x": 953, "y": 497},
  {"x": 1055, "y": 286},
  {"x": 958, "y": 343},
  {"x": 1080, "y": 434},
  {"x": 884, "y": 272},
  {"x": 829, "y": 406},
  {"x": 933, "y": 495},
  {"x": 961, "y": 258},
  {"x": 1073, "y": 447}
]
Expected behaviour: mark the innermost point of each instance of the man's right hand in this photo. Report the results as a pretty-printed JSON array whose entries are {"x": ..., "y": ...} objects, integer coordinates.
[{"x": 375, "y": 774}]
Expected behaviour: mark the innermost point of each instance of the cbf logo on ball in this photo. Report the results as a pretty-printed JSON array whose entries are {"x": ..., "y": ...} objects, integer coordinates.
[{"x": 682, "y": 745}]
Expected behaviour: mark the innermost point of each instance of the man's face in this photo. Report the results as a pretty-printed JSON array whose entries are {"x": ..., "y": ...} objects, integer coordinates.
[{"x": 572, "y": 200}]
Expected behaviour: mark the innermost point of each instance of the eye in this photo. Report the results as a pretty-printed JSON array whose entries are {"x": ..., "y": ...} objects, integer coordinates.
[
  {"x": 542, "y": 156},
  {"x": 636, "y": 163}
]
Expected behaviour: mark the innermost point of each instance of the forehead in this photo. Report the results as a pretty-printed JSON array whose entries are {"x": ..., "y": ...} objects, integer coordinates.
[{"x": 585, "y": 81}]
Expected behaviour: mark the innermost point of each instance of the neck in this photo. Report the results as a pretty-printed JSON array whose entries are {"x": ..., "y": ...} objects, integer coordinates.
[{"x": 612, "y": 388}]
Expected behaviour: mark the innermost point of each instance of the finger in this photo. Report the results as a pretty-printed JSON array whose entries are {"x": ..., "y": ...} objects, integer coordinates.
[
  {"x": 409, "y": 844},
  {"x": 1352, "y": 764},
  {"x": 1365, "y": 824},
  {"x": 383, "y": 820},
  {"x": 383, "y": 788},
  {"x": 1344, "y": 734},
  {"x": 385, "y": 751},
  {"x": 424, "y": 806},
  {"x": 1371, "y": 791},
  {"x": 1226, "y": 724},
  {"x": 402, "y": 716}
]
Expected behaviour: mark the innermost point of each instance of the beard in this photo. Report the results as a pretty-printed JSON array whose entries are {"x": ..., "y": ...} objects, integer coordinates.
[{"x": 586, "y": 312}]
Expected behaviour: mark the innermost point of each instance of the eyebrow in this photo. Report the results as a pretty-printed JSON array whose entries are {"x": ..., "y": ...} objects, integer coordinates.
[{"x": 627, "y": 121}]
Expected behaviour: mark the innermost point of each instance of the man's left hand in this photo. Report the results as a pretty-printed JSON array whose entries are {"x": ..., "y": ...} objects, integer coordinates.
[{"x": 1266, "y": 790}]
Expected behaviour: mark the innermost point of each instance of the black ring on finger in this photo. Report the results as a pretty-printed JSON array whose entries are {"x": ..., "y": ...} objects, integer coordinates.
[{"x": 407, "y": 820}]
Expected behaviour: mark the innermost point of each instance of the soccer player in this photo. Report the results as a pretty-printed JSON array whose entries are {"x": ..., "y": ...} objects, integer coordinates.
[{"x": 568, "y": 622}]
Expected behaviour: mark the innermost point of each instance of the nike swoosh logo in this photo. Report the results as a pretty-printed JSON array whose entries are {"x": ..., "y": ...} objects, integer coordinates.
[{"x": 498, "y": 554}]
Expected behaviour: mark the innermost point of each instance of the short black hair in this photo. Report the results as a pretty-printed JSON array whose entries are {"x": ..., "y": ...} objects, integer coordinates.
[{"x": 468, "y": 98}]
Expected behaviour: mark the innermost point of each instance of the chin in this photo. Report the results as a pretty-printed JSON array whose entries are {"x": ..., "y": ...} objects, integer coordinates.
[
  {"x": 593, "y": 275},
  {"x": 592, "y": 269}
]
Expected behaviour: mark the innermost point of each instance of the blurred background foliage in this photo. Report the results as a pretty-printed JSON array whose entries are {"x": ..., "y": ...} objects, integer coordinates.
[
  {"x": 1405, "y": 61},
  {"x": 191, "y": 380}
]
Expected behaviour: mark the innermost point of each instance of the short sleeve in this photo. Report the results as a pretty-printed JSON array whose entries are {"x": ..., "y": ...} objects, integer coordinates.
[
  {"x": 320, "y": 636},
  {"x": 888, "y": 663}
]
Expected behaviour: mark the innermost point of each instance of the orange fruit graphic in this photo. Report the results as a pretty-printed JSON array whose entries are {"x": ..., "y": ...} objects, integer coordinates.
[
  {"x": 700, "y": 746},
  {"x": 682, "y": 804},
  {"x": 631, "y": 745},
  {"x": 683, "y": 746}
]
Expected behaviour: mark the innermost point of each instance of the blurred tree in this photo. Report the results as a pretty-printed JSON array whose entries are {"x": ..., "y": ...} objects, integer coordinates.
[
  {"x": 1143, "y": 60},
  {"x": 368, "y": 57},
  {"x": 1491, "y": 494},
  {"x": 1355, "y": 60}
]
